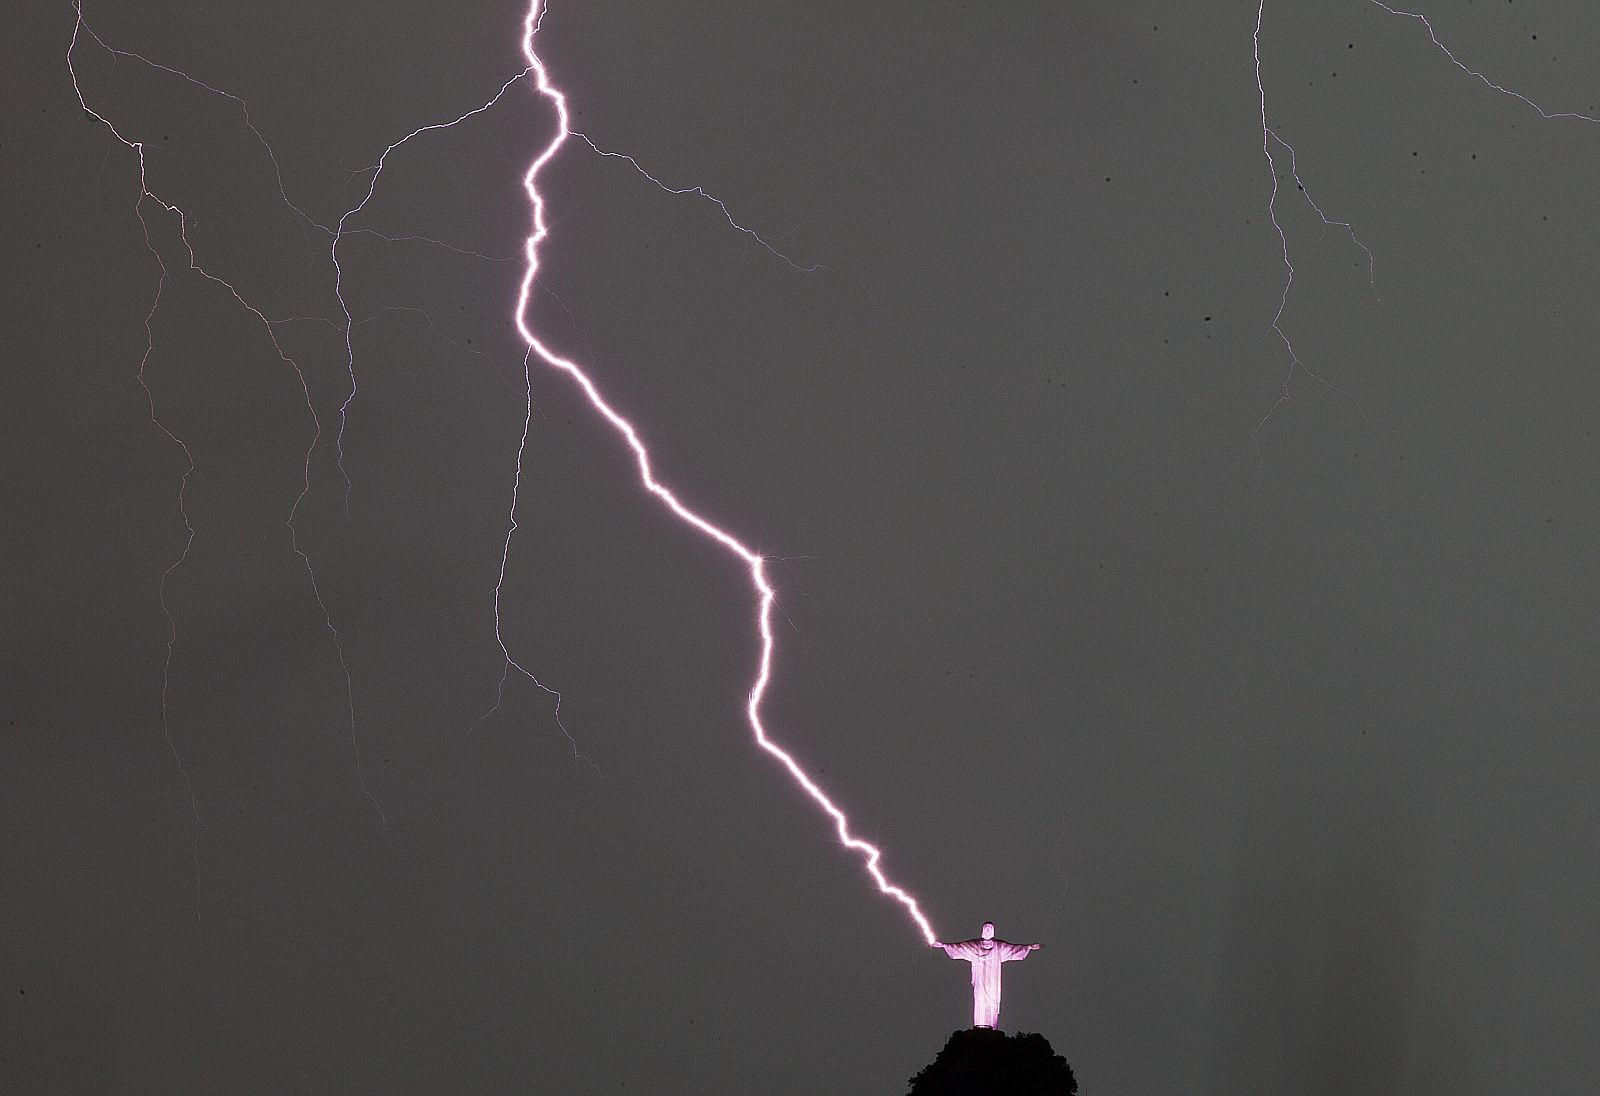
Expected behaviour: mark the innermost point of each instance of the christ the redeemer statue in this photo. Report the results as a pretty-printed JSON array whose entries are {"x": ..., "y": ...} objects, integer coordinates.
[{"x": 986, "y": 954}]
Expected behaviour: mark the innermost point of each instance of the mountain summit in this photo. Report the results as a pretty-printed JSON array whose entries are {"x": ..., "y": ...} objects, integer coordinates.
[{"x": 984, "y": 1062}]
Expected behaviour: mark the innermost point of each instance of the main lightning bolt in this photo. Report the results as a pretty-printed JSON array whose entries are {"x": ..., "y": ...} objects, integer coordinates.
[{"x": 765, "y": 596}]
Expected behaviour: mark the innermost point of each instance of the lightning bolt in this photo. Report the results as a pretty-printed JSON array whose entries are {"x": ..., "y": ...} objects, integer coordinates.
[
  {"x": 755, "y": 564},
  {"x": 765, "y": 596}
]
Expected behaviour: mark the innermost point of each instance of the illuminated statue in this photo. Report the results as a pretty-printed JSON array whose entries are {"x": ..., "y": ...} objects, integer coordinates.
[{"x": 986, "y": 954}]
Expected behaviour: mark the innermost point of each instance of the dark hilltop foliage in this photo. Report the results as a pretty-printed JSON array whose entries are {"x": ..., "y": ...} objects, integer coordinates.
[{"x": 980, "y": 1062}]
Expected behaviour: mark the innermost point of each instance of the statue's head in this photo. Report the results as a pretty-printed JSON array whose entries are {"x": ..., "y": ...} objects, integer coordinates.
[{"x": 988, "y": 930}]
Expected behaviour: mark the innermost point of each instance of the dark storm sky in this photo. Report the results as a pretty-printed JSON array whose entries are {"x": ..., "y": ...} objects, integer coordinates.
[{"x": 1286, "y": 753}]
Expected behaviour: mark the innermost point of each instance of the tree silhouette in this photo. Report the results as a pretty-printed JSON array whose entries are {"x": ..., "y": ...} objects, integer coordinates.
[{"x": 981, "y": 1062}]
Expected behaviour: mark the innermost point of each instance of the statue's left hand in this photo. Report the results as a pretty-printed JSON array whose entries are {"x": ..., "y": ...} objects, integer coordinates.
[{"x": 1035, "y": 947}]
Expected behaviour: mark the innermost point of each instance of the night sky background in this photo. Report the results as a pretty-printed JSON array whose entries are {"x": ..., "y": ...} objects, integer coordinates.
[{"x": 1282, "y": 741}]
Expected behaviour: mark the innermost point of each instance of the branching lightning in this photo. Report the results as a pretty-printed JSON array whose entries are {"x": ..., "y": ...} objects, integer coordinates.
[
  {"x": 701, "y": 192},
  {"x": 338, "y": 268},
  {"x": 1480, "y": 77},
  {"x": 145, "y": 195},
  {"x": 1270, "y": 137}
]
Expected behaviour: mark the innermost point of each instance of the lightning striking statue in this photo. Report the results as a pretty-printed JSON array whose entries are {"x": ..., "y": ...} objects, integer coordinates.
[{"x": 986, "y": 954}]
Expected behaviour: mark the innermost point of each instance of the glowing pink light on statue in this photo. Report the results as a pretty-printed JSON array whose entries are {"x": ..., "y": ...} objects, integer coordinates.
[
  {"x": 871, "y": 855},
  {"x": 986, "y": 954}
]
